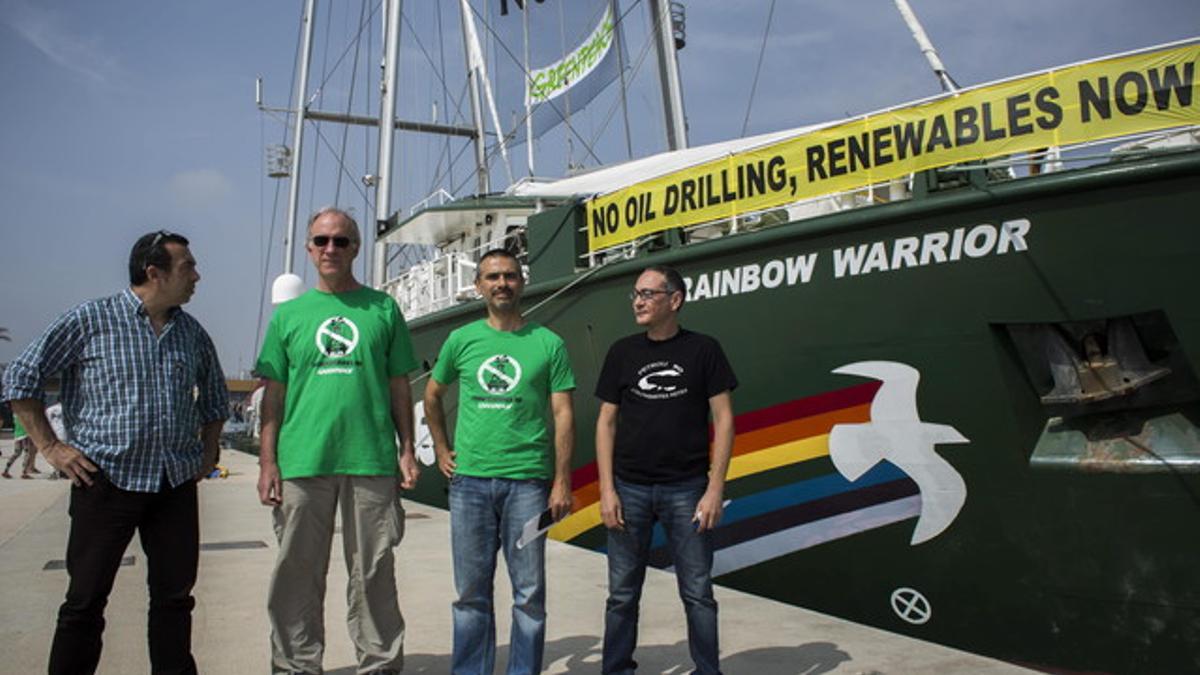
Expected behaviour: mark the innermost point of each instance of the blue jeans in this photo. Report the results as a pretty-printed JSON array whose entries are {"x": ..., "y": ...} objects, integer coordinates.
[
  {"x": 485, "y": 515},
  {"x": 673, "y": 505}
]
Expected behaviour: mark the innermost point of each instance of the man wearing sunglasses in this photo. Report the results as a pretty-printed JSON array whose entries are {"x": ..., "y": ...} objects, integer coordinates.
[
  {"x": 503, "y": 473},
  {"x": 144, "y": 400},
  {"x": 336, "y": 362},
  {"x": 657, "y": 391}
]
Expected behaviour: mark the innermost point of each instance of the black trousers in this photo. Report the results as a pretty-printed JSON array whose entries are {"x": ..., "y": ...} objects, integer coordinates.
[{"x": 103, "y": 519}]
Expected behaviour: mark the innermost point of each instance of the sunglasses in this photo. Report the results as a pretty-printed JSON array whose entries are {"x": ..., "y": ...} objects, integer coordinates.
[
  {"x": 158, "y": 236},
  {"x": 321, "y": 241}
]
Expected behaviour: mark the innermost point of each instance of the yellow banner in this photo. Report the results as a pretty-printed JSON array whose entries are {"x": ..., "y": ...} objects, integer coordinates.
[{"x": 1103, "y": 99}]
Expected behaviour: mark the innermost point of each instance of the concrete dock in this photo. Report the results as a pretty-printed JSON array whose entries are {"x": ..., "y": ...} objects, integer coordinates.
[{"x": 758, "y": 636}]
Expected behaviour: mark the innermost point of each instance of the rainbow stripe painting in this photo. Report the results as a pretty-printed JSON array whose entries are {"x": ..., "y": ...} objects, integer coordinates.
[{"x": 769, "y": 523}]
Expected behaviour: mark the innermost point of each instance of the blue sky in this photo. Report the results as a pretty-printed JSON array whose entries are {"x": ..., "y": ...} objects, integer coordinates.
[{"x": 123, "y": 117}]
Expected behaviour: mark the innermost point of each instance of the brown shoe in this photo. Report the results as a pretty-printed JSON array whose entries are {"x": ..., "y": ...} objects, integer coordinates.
[
  {"x": 26, "y": 476},
  {"x": 6, "y": 474}
]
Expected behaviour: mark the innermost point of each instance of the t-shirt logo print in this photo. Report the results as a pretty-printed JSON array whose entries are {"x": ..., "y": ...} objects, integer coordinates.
[
  {"x": 499, "y": 374},
  {"x": 663, "y": 379},
  {"x": 337, "y": 337}
]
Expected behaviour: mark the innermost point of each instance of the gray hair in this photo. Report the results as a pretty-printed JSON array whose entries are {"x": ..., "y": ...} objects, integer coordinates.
[{"x": 326, "y": 210}]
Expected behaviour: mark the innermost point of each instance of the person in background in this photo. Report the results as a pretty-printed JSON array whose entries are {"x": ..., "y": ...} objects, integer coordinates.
[{"x": 22, "y": 445}]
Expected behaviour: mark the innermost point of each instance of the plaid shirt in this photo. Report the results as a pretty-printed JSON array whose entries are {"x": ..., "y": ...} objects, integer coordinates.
[{"x": 133, "y": 401}]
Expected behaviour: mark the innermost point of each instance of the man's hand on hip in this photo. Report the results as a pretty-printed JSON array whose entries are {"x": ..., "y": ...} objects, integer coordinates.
[
  {"x": 69, "y": 460},
  {"x": 445, "y": 460}
]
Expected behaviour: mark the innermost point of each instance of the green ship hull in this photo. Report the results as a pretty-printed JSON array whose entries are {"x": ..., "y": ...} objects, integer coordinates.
[{"x": 1069, "y": 537}]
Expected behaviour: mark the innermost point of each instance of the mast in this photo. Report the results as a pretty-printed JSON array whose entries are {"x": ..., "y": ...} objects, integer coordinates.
[
  {"x": 473, "y": 60},
  {"x": 528, "y": 109},
  {"x": 918, "y": 33},
  {"x": 620, "y": 36},
  {"x": 298, "y": 138},
  {"x": 668, "y": 74},
  {"x": 387, "y": 136}
]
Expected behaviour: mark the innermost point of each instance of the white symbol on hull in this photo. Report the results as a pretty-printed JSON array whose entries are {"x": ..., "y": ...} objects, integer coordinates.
[
  {"x": 910, "y": 605},
  {"x": 423, "y": 441},
  {"x": 897, "y": 434}
]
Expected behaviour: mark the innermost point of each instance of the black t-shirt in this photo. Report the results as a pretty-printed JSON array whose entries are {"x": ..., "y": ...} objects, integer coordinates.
[{"x": 662, "y": 390}]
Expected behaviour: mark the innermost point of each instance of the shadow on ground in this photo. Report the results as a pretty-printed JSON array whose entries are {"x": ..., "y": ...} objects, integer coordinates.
[{"x": 580, "y": 655}]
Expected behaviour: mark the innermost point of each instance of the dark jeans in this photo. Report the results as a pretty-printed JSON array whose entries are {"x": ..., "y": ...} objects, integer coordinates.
[
  {"x": 673, "y": 505},
  {"x": 103, "y": 519}
]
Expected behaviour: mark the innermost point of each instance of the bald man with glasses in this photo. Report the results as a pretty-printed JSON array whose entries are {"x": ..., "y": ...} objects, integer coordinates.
[
  {"x": 143, "y": 400},
  {"x": 658, "y": 390}
]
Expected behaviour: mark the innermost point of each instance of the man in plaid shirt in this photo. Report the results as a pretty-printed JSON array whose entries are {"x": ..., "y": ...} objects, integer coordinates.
[{"x": 144, "y": 400}]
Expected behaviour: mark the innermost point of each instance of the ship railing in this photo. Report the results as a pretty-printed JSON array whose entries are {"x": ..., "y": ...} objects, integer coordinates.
[
  {"x": 1041, "y": 161},
  {"x": 443, "y": 281},
  {"x": 1049, "y": 160},
  {"x": 440, "y": 195},
  {"x": 434, "y": 284}
]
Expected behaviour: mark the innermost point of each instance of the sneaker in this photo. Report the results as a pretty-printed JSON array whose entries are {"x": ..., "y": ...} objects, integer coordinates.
[
  {"x": 26, "y": 476},
  {"x": 6, "y": 474}
]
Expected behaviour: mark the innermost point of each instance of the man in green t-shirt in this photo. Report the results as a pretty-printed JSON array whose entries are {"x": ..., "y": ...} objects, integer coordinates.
[
  {"x": 336, "y": 362},
  {"x": 510, "y": 372}
]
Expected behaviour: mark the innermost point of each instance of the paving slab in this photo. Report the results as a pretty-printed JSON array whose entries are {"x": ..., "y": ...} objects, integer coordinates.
[{"x": 230, "y": 633}]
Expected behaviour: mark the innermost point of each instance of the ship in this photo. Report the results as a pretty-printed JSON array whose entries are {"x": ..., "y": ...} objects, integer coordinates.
[{"x": 968, "y": 398}]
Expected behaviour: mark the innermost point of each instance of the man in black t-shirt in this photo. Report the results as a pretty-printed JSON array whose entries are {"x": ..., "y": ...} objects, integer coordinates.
[{"x": 657, "y": 390}]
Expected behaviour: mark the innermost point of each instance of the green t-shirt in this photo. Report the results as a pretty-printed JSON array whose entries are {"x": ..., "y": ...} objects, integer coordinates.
[
  {"x": 505, "y": 380},
  {"x": 18, "y": 430},
  {"x": 337, "y": 352}
]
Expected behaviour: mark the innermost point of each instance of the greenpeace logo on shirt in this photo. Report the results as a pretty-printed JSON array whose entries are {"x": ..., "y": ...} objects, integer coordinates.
[
  {"x": 337, "y": 367},
  {"x": 337, "y": 338},
  {"x": 489, "y": 403},
  {"x": 660, "y": 380},
  {"x": 498, "y": 375}
]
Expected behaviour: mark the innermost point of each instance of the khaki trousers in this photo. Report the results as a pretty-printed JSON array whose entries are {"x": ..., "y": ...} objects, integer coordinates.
[{"x": 372, "y": 525}]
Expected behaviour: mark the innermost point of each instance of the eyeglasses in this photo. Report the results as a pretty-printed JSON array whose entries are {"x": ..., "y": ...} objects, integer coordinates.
[
  {"x": 646, "y": 293},
  {"x": 321, "y": 241}
]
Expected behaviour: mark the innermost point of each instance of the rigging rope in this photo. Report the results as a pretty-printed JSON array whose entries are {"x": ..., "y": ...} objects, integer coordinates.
[
  {"x": 612, "y": 109},
  {"x": 262, "y": 293},
  {"x": 512, "y": 57},
  {"x": 445, "y": 91},
  {"x": 337, "y": 192},
  {"x": 758, "y": 69},
  {"x": 357, "y": 36}
]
